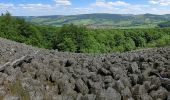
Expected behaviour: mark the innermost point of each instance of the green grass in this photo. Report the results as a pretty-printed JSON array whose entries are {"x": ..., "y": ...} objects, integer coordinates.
[{"x": 16, "y": 89}]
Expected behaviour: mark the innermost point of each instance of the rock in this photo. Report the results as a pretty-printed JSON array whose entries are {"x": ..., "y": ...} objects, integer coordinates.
[
  {"x": 58, "y": 97},
  {"x": 2, "y": 91},
  {"x": 96, "y": 78},
  {"x": 96, "y": 87},
  {"x": 126, "y": 93},
  {"x": 68, "y": 97},
  {"x": 109, "y": 94},
  {"x": 146, "y": 73},
  {"x": 51, "y": 75},
  {"x": 119, "y": 85},
  {"x": 63, "y": 97},
  {"x": 3, "y": 76},
  {"x": 79, "y": 97},
  {"x": 161, "y": 94},
  {"x": 108, "y": 79},
  {"x": 117, "y": 71},
  {"x": 155, "y": 83},
  {"x": 9, "y": 97},
  {"x": 9, "y": 70},
  {"x": 168, "y": 98},
  {"x": 56, "y": 75},
  {"x": 81, "y": 87},
  {"x": 146, "y": 97},
  {"x": 103, "y": 71},
  {"x": 138, "y": 91},
  {"x": 65, "y": 87},
  {"x": 166, "y": 83},
  {"x": 135, "y": 68},
  {"x": 89, "y": 97}
]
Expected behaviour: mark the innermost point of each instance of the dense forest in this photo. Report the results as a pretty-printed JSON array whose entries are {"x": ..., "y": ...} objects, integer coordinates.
[{"x": 80, "y": 39}]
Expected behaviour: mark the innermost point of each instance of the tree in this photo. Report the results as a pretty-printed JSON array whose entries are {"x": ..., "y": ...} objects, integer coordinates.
[
  {"x": 67, "y": 45},
  {"x": 129, "y": 45}
]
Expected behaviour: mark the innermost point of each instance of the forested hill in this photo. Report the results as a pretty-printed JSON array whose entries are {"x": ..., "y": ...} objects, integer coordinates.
[
  {"x": 102, "y": 20},
  {"x": 79, "y": 39}
]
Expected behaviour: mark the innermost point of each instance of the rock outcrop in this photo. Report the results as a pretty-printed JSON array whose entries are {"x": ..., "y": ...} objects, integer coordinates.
[{"x": 29, "y": 73}]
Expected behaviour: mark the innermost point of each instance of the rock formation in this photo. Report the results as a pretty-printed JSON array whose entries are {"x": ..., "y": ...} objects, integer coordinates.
[{"x": 29, "y": 73}]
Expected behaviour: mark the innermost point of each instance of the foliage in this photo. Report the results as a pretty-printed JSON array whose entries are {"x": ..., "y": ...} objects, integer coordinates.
[
  {"x": 79, "y": 39},
  {"x": 19, "y": 30}
]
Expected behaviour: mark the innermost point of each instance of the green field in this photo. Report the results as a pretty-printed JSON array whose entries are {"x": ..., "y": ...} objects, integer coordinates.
[{"x": 102, "y": 20}]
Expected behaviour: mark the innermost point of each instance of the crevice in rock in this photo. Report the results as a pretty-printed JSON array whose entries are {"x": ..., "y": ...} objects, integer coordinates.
[
  {"x": 51, "y": 80},
  {"x": 68, "y": 63}
]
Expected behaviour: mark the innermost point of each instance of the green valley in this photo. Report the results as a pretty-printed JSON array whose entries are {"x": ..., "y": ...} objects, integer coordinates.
[{"x": 102, "y": 20}]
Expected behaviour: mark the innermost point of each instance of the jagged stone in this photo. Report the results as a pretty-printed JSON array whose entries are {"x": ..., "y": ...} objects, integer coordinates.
[
  {"x": 135, "y": 68},
  {"x": 2, "y": 91},
  {"x": 155, "y": 83},
  {"x": 81, "y": 87},
  {"x": 138, "y": 91},
  {"x": 126, "y": 93},
  {"x": 109, "y": 94},
  {"x": 9, "y": 97},
  {"x": 89, "y": 97},
  {"x": 119, "y": 85},
  {"x": 46, "y": 74},
  {"x": 161, "y": 94},
  {"x": 108, "y": 79},
  {"x": 146, "y": 97}
]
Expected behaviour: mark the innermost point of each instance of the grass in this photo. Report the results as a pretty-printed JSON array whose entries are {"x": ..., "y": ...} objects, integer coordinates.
[
  {"x": 16, "y": 89},
  {"x": 1, "y": 98}
]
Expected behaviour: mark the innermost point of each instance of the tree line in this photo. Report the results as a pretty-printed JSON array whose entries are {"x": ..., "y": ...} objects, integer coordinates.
[{"x": 80, "y": 39}]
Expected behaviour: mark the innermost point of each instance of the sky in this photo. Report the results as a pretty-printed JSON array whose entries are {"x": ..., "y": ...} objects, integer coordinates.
[{"x": 73, "y": 7}]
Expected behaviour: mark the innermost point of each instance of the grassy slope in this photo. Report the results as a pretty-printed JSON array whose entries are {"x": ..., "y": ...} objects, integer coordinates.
[{"x": 109, "y": 20}]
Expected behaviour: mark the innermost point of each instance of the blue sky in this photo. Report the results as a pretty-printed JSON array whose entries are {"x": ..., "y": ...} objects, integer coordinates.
[{"x": 71, "y": 7}]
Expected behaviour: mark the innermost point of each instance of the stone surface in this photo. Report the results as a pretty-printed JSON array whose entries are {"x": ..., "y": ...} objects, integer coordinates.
[{"x": 51, "y": 75}]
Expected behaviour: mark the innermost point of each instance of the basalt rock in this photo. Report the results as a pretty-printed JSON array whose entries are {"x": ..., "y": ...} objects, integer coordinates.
[{"x": 31, "y": 73}]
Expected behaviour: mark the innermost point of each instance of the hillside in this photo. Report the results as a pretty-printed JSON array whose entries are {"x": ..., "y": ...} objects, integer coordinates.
[
  {"x": 164, "y": 24},
  {"x": 102, "y": 20},
  {"x": 28, "y": 73}
]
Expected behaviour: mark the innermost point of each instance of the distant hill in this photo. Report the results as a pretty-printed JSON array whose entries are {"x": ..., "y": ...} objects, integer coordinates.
[
  {"x": 102, "y": 20},
  {"x": 164, "y": 24}
]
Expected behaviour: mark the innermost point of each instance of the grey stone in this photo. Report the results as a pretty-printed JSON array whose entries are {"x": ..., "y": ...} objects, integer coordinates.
[
  {"x": 51, "y": 75},
  {"x": 161, "y": 93},
  {"x": 146, "y": 97},
  {"x": 9, "y": 97},
  {"x": 135, "y": 68},
  {"x": 89, "y": 97},
  {"x": 126, "y": 93},
  {"x": 109, "y": 94},
  {"x": 81, "y": 87}
]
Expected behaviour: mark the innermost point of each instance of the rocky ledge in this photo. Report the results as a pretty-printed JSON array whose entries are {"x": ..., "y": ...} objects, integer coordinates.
[{"x": 28, "y": 73}]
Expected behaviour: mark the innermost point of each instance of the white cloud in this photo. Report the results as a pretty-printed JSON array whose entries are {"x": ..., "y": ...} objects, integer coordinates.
[
  {"x": 99, "y": 6},
  {"x": 119, "y": 3},
  {"x": 35, "y": 6},
  {"x": 82, "y": 10},
  {"x": 160, "y": 2},
  {"x": 63, "y": 2},
  {"x": 3, "y": 5},
  {"x": 103, "y": 3}
]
